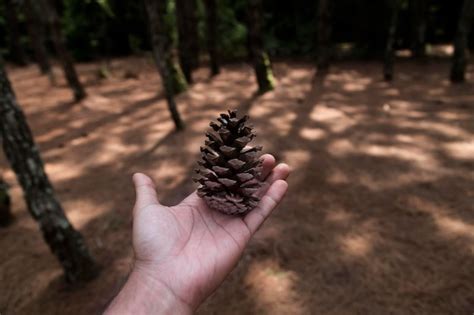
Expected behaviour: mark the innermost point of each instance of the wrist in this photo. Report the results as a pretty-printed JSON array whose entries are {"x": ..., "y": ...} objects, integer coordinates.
[{"x": 145, "y": 294}]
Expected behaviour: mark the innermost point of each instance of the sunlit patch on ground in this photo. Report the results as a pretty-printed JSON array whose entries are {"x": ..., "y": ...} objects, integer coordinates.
[
  {"x": 274, "y": 289},
  {"x": 378, "y": 217}
]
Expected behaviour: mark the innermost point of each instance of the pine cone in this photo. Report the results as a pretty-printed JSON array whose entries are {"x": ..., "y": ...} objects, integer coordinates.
[{"x": 229, "y": 170}]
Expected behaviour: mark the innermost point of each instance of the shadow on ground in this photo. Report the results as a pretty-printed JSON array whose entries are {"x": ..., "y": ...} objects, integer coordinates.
[{"x": 378, "y": 218}]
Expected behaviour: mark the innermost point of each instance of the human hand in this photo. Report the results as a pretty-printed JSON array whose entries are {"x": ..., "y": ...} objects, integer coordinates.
[{"x": 184, "y": 252}]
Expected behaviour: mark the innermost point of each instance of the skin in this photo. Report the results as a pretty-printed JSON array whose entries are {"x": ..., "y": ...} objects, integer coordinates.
[{"x": 184, "y": 252}]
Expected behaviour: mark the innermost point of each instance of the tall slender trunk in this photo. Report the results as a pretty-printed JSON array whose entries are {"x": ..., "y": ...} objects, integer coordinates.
[
  {"x": 188, "y": 44},
  {"x": 17, "y": 53},
  {"x": 260, "y": 59},
  {"x": 324, "y": 36},
  {"x": 60, "y": 47},
  {"x": 418, "y": 12},
  {"x": 36, "y": 33},
  {"x": 393, "y": 6},
  {"x": 162, "y": 53},
  {"x": 211, "y": 32},
  {"x": 64, "y": 241},
  {"x": 460, "y": 57},
  {"x": 5, "y": 211}
]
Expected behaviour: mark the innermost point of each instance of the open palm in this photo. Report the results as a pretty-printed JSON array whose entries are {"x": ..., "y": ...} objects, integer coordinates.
[{"x": 190, "y": 248}]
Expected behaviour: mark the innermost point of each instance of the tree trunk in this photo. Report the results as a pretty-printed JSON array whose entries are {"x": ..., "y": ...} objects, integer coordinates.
[
  {"x": 393, "y": 6},
  {"x": 460, "y": 57},
  {"x": 36, "y": 33},
  {"x": 324, "y": 36},
  {"x": 5, "y": 211},
  {"x": 17, "y": 53},
  {"x": 60, "y": 47},
  {"x": 162, "y": 53},
  {"x": 261, "y": 62},
  {"x": 211, "y": 26},
  {"x": 64, "y": 241},
  {"x": 419, "y": 11},
  {"x": 188, "y": 44}
]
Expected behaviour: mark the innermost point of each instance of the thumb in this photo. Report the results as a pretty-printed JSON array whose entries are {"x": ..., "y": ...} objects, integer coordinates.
[{"x": 145, "y": 191}]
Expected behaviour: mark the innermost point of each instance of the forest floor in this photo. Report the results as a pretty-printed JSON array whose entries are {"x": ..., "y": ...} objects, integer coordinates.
[{"x": 379, "y": 217}]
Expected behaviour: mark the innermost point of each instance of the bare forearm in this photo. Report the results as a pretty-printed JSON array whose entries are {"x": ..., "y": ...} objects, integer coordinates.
[{"x": 142, "y": 295}]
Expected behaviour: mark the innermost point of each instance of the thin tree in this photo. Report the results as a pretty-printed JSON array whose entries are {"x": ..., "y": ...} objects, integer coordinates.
[
  {"x": 324, "y": 36},
  {"x": 5, "y": 204},
  {"x": 162, "y": 54},
  {"x": 61, "y": 51},
  {"x": 461, "y": 54},
  {"x": 188, "y": 40},
  {"x": 261, "y": 61},
  {"x": 418, "y": 13},
  {"x": 36, "y": 34},
  {"x": 23, "y": 155},
  {"x": 211, "y": 35},
  {"x": 17, "y": 53},
  {"x": 393, "y": 7}
]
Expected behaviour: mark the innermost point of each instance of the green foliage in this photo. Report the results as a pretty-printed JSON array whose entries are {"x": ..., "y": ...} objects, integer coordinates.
[
  {"x": 232, "y": 31},
  {"x": 105, "y": 5},
  {"x": 98, "y": 28}
]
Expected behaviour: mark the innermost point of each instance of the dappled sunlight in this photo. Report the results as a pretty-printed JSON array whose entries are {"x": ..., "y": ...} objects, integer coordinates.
[
  {"x": 462, "y": 150},
  {"x": 378, "y": 207},
  {"x": 312, "y": 133},
  {"x": 447, "y": 130},
  {"x": 337, "y": 176},
  {"x": 283, "y": 124},
  {"x": 341, "y": 148},
  {"x": 81, "y": 212},
  {"x": 169, "y": 174},
  {"x": 297, "y": 158},
  {"x": 383, "y": 183},
  {"x": 336, "y": 120},
  {"x": 447, "y": 223},
  {"x": 357, "y": 245},
  {"x": 417, "y": 156},
  {"x": 338, "y": 215},
  {"x": 357, "y": 86},
  {"x": 274, "y": 288}
]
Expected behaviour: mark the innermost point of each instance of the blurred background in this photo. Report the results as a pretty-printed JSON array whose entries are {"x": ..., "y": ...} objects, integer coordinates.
[{"x": 370, "y": 102}]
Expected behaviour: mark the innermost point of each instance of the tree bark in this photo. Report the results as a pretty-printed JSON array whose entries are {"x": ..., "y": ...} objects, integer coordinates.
[
  {"x": 461, "y": 54},
  {"x": 188, "y": 44},
  {"x": 419, "y": 11},
  {"x": 211, "y": 26},
  {"x": 64, "y": 241},
  {"x": 393, "y": 6},
  {"x": 36, "y": 33},
  {"x": 324, "y": 36},
  {"x": 260, "y": 59},
  {"x": 17, "y": 53},
  {"x": 162, "y": 53},
  {"x": 60, "y": 47},
  {"x": 5, "y": 204}
]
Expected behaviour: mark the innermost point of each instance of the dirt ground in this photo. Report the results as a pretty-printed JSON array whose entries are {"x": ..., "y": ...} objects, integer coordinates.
[{"x": 379, "y": 217}]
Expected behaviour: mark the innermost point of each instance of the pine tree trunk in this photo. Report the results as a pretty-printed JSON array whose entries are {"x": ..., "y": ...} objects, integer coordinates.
[
  {"x": 419, "y": 10},
  {"x": 324, "y": 36},
  {"x": 36, "y": 33},
  {"x": 162, "y": 53},
  {"x": 260, "y": 59},
  {"x": 186, "y": 17},
  {"x": 393, "y": 6},
  {"x": 64, "y": 241},
  {"x": 460, "y": 57},
  {"x": 5, "y": 211},
  {"x": 211, "y": 25},
  {"x": 17, "y": 53},
  {"x": 60, "y": 47}
]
